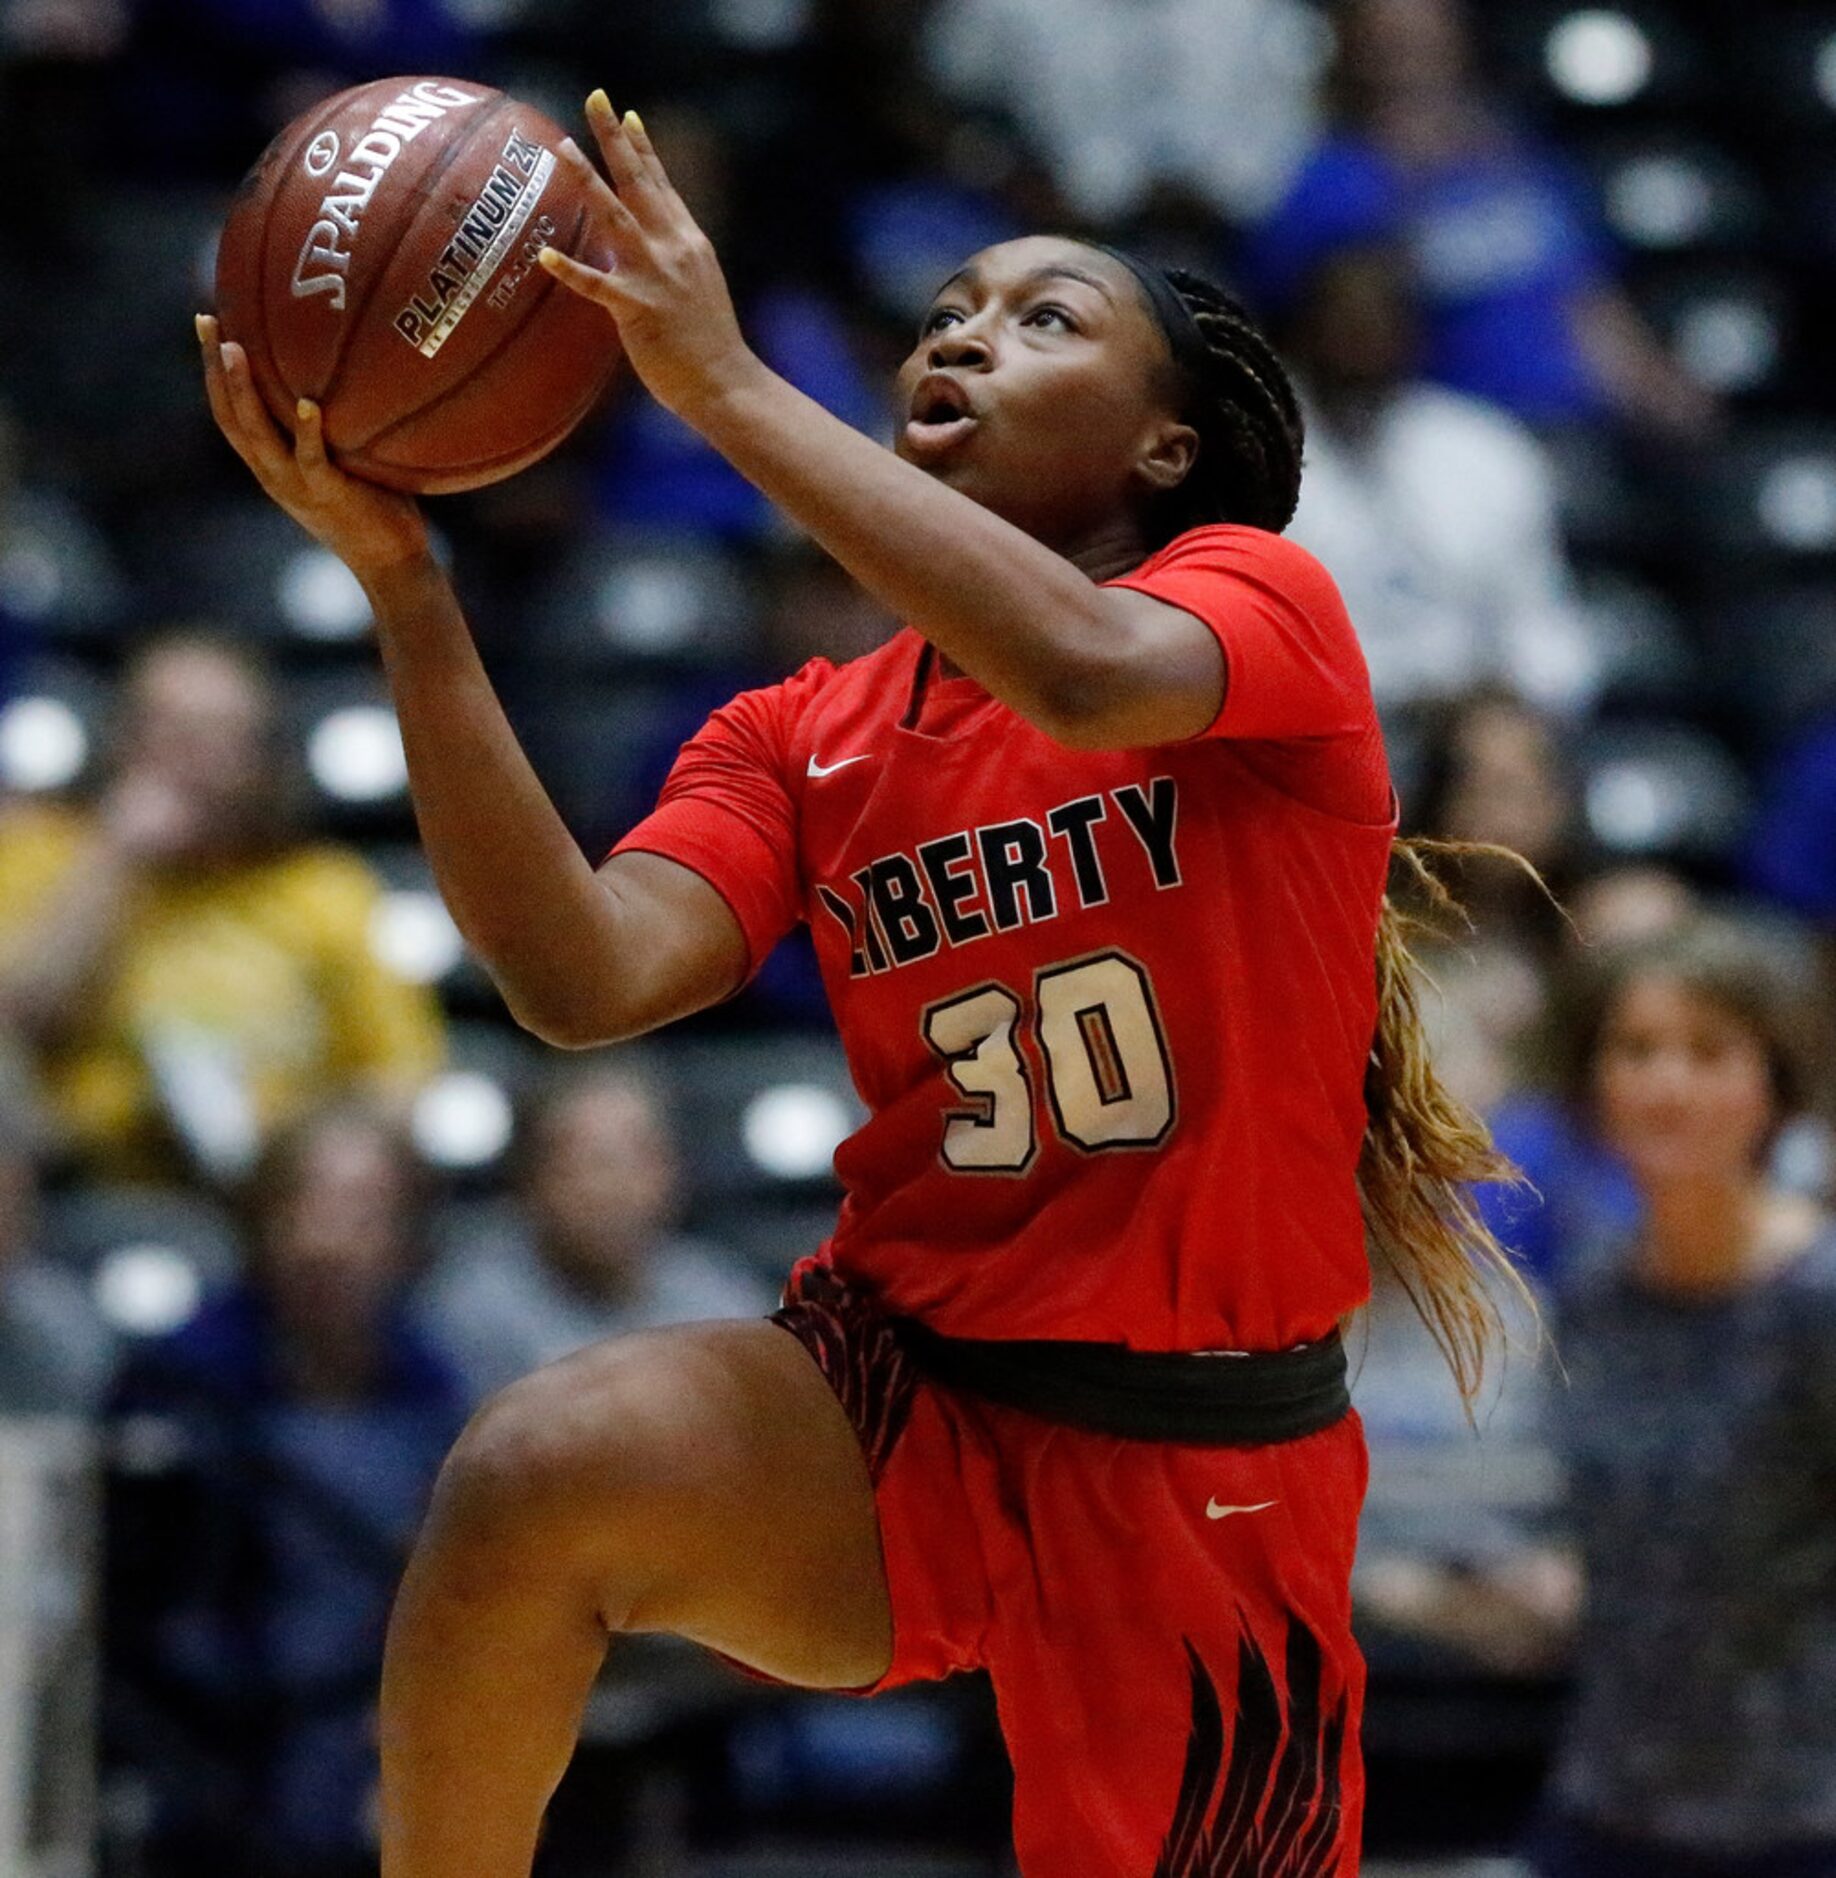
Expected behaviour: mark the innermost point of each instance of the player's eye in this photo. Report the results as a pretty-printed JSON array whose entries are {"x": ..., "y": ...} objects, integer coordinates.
[
  {"x": 937, "y": 319},
  {"x": 1050, "y": 314}
]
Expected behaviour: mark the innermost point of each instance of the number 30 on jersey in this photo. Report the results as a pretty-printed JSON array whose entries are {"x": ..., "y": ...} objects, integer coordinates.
[{"x": 1109, "y": 1080}]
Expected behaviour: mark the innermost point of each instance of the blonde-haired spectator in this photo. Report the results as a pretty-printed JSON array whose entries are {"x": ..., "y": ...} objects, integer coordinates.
[{"x": 186, "y": 970}]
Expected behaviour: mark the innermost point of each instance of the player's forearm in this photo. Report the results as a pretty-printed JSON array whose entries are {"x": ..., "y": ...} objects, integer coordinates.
[
  {"x": 1017, "y": 616},
  {"x": 513, "y": 877}
]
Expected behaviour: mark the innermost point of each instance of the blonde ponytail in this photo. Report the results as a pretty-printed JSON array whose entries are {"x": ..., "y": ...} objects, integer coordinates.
[{"x": 1424, "y": 1149}]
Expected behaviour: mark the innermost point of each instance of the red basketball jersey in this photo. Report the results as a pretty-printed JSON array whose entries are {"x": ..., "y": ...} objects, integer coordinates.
[{"x": 1109, "y": 1011}]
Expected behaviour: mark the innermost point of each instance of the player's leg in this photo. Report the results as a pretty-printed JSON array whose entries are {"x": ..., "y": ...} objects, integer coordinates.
[
  {"x": 702, "y": 1481},
  {"x": 1175, "y": 1671}
]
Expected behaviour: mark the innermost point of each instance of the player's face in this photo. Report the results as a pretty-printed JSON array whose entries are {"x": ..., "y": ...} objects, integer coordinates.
[
  {"x": 1682, "y": 1085},
  {"x": 1040, "y": 385}
]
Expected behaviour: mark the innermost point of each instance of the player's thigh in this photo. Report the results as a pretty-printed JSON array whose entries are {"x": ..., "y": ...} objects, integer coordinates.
[{"x": 715, "y": 1486}]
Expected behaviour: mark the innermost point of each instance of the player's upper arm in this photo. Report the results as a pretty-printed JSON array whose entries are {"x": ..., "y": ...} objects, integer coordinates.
[
  {"x": 703, "y": 888},
  {"x": 1265, "y": 642},
  {"x": 680, "y": 948}
]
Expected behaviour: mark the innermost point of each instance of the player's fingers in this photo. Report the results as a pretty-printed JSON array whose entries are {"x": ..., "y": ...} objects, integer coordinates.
[
  {"x": 214, "y": 387},
  {"x": 309, "y": 438},
  {"x": 613, "y": 214},
  {"x": 257, "y": 432},
  {"x": 655, "y": 173},
  {"x": 231, "y": 391},
  {"x": 623, "y": 164},
  {"x": 603, "y": 289}
]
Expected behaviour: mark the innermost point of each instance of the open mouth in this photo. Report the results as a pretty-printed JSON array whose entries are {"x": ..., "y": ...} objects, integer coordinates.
[{"x": 940, "y": 416}]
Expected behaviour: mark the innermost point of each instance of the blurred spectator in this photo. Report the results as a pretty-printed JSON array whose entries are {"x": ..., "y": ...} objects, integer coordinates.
[
  {"x": 593, "y": 1250},
  {"x": 1493, "y": 773},
  {"x": 1699, "y": 1429},
  {"x": 190, "y": 971},
  {"x": 1212, "y": 99},
  {"x": 1459, "y": 1509},
  {"x": 1629, "y": 902},
  {"x": 1518, "y": 280},
  {"x": 274, "y": 1457},
  {"x": 1435, "y": 513},
  {"x": 55, "y": 1354},
  {"x": 1579, "y": 1201}
]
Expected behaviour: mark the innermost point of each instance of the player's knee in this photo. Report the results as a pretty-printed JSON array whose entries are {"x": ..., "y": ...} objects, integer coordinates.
[{"x": 571, "y": 1451}]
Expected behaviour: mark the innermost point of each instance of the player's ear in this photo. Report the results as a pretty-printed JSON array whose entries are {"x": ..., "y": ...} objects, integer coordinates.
[{"x": 1167, "y": 455}]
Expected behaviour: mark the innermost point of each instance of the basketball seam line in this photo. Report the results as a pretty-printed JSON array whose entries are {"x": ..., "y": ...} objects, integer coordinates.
[
  {"x": 268, "y": 220},
  {"x": 425, "y": 186},
  {"x": 548, "y": 285}
]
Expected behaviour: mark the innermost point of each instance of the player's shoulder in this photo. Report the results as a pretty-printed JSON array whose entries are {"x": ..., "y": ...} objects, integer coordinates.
[
  {"x": 1233, "y": 548},
  {"x": 821, "y": 690},
  {"x": 1238, "y": 555}
]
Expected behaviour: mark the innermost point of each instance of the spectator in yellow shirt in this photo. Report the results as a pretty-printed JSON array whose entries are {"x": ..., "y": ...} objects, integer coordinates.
[{"x": 186, "y": 970}]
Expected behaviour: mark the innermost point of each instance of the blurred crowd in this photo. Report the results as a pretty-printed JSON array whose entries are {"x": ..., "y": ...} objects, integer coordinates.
[{"x": 282, "y": 1193}]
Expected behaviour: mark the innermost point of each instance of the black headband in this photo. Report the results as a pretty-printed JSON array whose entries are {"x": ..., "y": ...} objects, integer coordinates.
[{"x": 1175, "y": 317}]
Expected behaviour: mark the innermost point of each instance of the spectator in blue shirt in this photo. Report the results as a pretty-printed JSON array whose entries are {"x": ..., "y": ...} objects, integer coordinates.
[
  {"x": 273, "y": 1459},
  {"x": 1520, "y": 299}
]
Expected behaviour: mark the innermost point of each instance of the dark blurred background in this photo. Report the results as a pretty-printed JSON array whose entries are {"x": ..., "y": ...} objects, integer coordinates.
[{"x": 282, "y": 1190}]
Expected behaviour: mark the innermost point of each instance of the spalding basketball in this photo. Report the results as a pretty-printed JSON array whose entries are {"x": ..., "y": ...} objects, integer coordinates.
[{"x": 380, "y": 259}]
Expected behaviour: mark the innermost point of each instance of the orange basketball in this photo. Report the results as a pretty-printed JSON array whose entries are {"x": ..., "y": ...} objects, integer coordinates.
[{"x": 380, "y": 259}]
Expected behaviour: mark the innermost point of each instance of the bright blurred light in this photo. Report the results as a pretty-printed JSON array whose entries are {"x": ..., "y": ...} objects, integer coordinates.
[
  {"x": 1598, "y": 57},
  {"x": 414, "y": 935},
  {"x": 1797, "y": 502},
  {"x": 1728, "y": 345},
  {"x": 1659, "y": 201},
  {"x": 651, "y": 605},
  {"x": 793, "y": 1130},
  {"x": 355, "y": 754},
  {"x": 320, "y": 598},
  {"x": 43, "y": 744},
  {"x": 147, "y": 1290},
  {"x": 1826, "y": 71},
  {"x": 1627, "y": 808},
  {"x": 463, "y": 1119}
]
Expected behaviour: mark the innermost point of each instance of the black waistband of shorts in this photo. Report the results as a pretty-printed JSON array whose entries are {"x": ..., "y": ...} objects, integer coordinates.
[{"x": 1228, "y": 1399}]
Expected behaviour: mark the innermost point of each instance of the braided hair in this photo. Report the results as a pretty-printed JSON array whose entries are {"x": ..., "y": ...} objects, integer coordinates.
[{"x": 1241, "y": 402}]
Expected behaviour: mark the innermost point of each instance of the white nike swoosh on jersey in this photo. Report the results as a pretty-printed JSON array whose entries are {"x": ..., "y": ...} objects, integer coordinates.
[
  {"x": 1214, "y": 1511},
  {"x": 829, "y": 769}
]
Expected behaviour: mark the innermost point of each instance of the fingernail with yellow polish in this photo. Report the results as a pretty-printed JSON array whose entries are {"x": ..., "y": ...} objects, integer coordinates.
[
  {"x": 303, "y": 410},
  {"x": 634, "y": 123},
  {"x": 600, "y": 105}
]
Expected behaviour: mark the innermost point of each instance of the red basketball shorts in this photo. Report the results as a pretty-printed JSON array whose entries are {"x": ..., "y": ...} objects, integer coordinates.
[{"x": 1167, "y": 1626}]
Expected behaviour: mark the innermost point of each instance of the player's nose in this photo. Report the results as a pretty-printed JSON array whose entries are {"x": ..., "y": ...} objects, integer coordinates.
[{"x": 961, "y": 347}]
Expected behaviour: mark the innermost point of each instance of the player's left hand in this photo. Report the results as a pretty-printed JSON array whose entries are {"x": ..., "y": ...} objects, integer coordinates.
[{"x": 664, "y": 287}]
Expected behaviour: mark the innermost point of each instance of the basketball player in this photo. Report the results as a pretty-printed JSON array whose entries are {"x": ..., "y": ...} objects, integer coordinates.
[{"x": 1094, "y": 855}]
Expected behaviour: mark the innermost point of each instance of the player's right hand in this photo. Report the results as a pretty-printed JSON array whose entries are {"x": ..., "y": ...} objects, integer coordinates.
[{"x": 369, "y": 528}]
